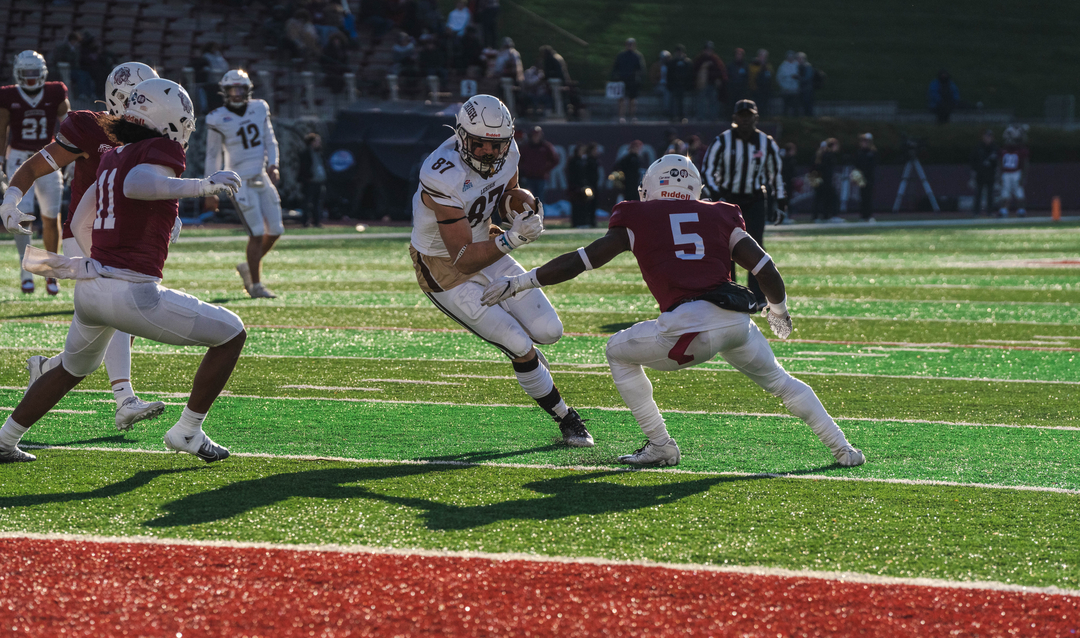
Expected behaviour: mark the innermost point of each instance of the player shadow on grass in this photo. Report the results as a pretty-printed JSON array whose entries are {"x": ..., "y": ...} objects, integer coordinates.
[
  {"x": 481, "y": 457},
  {"x": 130, "y": 484},
  {"x": 113, "y": 438},
  {"x": 578, "y": 494}
]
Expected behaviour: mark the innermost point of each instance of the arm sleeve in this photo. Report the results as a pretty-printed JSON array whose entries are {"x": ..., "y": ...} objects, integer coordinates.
[
  {"x": 153, "y": 182},
  {"x": 82, "y": 220},
  {"x": 271, "y": 142},
  {"x": 214, "y": 138}
]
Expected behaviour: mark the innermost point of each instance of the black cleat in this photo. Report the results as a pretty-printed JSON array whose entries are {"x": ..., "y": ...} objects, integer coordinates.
[{"x": 573, "y": 430}]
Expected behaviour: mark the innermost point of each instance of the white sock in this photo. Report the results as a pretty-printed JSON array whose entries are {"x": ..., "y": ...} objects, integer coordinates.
[
  {"x": 190, "y": 423},
  {"x": 121, "y": 391},
  {"x": 803, "y": 403},
  {"x": 10, "y": 435},
  {"x": 637, "y": 392},
  {"x": 118, "y": 365},
  {"x": 21, "y": 242}
]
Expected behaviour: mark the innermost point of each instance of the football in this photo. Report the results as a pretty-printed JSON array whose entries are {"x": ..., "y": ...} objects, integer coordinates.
[{"x": 515, "y": 202}]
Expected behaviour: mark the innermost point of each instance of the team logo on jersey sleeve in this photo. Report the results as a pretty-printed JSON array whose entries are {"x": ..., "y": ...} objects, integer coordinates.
[{"x": 468, "y": 184}]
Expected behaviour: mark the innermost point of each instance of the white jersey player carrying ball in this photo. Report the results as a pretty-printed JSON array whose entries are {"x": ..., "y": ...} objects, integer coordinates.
[
  {"x": 243, "y": 131},
  {"x": 130, "y": 214},
  {"x": 83, "y": 138},
  {"x": 456, "y": 250}
]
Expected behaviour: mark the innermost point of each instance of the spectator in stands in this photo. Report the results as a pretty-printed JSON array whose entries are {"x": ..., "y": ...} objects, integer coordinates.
[
  {"x": 553, "y": 65},
  {"x": 826, "y": 200},
  {"x": 312, "y": 176},
  {"x": 472, "y": 48},
  {"x": 487, "y": 13},
  {"x": 508, "y": 63},
  {"x": 96, "y": 61},
  {"x": 680, "y": 77},
  {"x": 432, "y": 58},
  {"x": 631, "y": 167},
  {"x": 695, "y": 149},
  {"x": 373, "y": 13},
  {"x": 459, "y": 19},
  {"x": 630, "y": 70},
  {"x": 301, "y": 33},
  {"x": 863, "y": 175},
  {"x": 761, "y": 79},
  {"x": 788, "y": 156},
  {"x": 404, "y": 56},
  {"x": 738, "y": 87},
  {"x": 943, "y": 96},
  {"x": 535, "y": 96},
  {"x": 583, "y": 179},
  {"x": 335, "y": 61},
  {"x": 658, "y": 77},
  {"x": 69, "y": 51},
  {"x": 984, "y": 162},
  {"x": 710, "y": 83},
  {"x": 209, "y": 67},
  {"x": 677, "y": 147},
  {"x": 327, "y": 18},
  {"x": 787, "y": 78},
  {"x": 807, "y": 84},
  {"x": 538, "y": 158}
]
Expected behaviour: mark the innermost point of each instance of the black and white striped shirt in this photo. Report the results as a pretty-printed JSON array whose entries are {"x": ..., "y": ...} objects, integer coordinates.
[{"x": 734, "y": 168}]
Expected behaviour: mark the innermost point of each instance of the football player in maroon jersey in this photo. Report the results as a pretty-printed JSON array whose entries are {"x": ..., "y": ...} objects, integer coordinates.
[
  {"x": 83, "y": 139},
  {"x": 684, "y": 248},
  {"x": 130, "y": 213},
  {"x": 32, "y": 108}
]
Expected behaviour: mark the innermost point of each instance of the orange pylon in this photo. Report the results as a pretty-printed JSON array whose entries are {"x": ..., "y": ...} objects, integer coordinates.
[{"x": 1055, "y": 209}]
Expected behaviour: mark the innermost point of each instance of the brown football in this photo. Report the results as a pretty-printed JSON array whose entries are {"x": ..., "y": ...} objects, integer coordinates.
[{"x": 515, "y": 202}]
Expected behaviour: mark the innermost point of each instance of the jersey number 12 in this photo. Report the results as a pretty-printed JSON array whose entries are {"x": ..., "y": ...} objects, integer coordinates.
[{"x": 249, "y": 135}]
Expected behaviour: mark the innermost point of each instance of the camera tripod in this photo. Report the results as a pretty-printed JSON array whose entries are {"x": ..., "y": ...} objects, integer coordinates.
[{"x": 913, "y": 164}]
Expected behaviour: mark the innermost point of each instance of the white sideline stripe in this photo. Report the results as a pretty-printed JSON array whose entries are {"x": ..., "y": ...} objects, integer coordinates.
[
  {"x": 846, "y": 577},
  {"x": 588, "y": 468},
  {"x": 411, "y": 381},
  {"x": 926, "y": 319},
  {"x": 6, "y": 409},
  {"x": 912, "y": 376},
  {"x": 800, "y": 358},
  {"x": 844, "y": 354},
  {"x": 226, "y": 393},
  {"x": 329, "y": 387},
  {"x": 1026, "y": 343},
  {"x": 1046, "y": 337},
  {"x": 891, "y": 349}
]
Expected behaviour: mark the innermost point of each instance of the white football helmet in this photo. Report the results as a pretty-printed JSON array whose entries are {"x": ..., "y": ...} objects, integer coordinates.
[
  {"x": 671, "y": 177},
  {"x": 121, "y": 80},
  {"x": 236, "y": 87},
  {"x": 164, "y": 106},
  {"x": 483, "y": 120},
  {"x": 30, "y": 71}
]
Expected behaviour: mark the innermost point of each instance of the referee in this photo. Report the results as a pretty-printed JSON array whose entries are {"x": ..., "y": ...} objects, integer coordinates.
[{"x": 742, "y": 167}]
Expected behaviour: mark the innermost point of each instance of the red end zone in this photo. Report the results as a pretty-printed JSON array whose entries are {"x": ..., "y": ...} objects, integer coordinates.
[{"x": 79, "y": 588}]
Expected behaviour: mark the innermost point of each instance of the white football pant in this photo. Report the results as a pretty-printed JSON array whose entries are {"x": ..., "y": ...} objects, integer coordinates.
[
  {"x": 675, "y": 340},
  {"x": 260, "y": 207},
  {"x": 514, "y": 325}
]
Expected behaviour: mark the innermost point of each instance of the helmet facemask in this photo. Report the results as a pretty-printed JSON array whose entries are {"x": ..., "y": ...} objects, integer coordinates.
[
  {"x": 489, "y": 163},
  {"x": 236, "y": 95}
]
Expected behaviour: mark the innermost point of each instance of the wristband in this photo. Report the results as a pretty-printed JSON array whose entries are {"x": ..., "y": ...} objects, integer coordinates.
[
  {"x": 778, "y": 308},
  {"x": 49, "y": 159},
  {"x": 503, "y": 243},
  {"x": 13, "y": 195},
  {"x": 761, "y": 264}
]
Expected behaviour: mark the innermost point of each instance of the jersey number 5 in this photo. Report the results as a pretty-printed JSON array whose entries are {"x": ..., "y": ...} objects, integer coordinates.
[
  {"x": 249, "y": 135},
  {"x": 106, "y": 217},
  {"x": 681, "y": 238}
]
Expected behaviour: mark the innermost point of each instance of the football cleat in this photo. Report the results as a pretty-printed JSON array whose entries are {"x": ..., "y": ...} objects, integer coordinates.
[
  {"x": 849, "y": 456},
  {"x": 259, "y": 291},
  {"x": 134, "y": 409},
  {"x": 651, "y": 455},
  {"x": 573, "y": 430},
  {"x": 28, "y": 286},
  {"x": 16, "y": 456},
  {"x": 245, "y": 274},
  {"x": 200, "y": 445},
  {"x": 52, "y": 287},
  {"x": 35, "y": 366}
]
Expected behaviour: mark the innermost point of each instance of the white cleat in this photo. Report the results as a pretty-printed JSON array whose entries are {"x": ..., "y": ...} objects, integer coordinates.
[
  {"x": 16, "y": 456},
  {"x": 245, "y": 274},
  {"x": 34, "y": 366},
  {"x": 259, "y": 291},
  {"x": 199, "y": 445},
  {"x": 134, "y": 409},
  {"x": 654, "y": 455},
  {"x": 849, "y": 456}
]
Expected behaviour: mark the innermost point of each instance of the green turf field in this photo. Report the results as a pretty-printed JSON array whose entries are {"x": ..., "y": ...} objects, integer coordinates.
[{"x": 361, "y": 415}]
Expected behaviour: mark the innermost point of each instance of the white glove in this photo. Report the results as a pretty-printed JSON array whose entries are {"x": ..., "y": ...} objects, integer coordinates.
[
  {"x": 780, "y": 323},
  {"x": 506, "y": 286},
  {"x": 15, "y": 218},
  {"x": 176, "y": 227},
  {"x": 220, "y": 182},
  {"x": 525, "y": 229}
]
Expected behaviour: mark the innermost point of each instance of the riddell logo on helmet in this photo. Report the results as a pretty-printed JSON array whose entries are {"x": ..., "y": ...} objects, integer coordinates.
[{"x": 676, "y": 195}]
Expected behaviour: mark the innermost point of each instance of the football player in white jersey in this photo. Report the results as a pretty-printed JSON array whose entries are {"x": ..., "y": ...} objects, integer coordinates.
[
  {"x": 243, "y": 131},
  {"x": 456, "y": 250}
]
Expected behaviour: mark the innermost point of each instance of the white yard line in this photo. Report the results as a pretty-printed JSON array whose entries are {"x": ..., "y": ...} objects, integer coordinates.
[
  {"x": 843, "y": 354},
  {"x": 330, "y": 388},
  {"x": 847, "y": 577}
]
